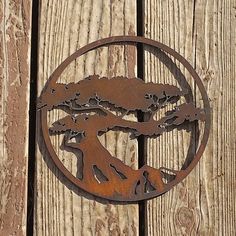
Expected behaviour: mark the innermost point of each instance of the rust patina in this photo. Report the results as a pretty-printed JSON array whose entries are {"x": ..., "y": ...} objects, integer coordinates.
[{"x": 89, "y": 105}]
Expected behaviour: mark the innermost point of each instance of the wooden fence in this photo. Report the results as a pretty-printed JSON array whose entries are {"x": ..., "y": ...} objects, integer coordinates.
[{"x": 36, "y": 36}]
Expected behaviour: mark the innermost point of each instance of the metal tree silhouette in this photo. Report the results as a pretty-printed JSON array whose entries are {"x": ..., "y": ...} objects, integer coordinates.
[{"x": 89, "y": 104}]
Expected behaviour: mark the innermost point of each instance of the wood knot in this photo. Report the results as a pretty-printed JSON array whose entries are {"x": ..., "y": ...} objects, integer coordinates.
[{"x": 185, "y": 218}]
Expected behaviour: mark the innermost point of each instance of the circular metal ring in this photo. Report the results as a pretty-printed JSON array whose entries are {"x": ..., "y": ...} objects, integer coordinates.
[{"x": 127, "y": 40}]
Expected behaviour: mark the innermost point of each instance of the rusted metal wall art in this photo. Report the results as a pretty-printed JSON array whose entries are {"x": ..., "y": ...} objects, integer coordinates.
[{"x": 86, "y": 104}]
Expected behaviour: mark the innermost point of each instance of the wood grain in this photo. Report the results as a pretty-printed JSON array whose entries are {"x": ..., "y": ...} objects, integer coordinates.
[
  {"x": 15, "y": 18},
  {"x": 65, "y": 26},
  {"x": 204, "y": 33}
]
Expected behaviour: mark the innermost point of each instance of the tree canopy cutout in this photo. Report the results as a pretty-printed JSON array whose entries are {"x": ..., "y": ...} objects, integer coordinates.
[{"x": 88, "y": 104}]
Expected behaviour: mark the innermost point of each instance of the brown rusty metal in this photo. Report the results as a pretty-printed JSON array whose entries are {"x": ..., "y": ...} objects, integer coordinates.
[{"x": 89, "y": 105}]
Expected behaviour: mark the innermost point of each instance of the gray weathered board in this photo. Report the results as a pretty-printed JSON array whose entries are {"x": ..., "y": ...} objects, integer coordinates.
[
  {"x": 60, "y": 209},
  {"x": 15, "y": 29},
  {"x": 204, "y": 32}
]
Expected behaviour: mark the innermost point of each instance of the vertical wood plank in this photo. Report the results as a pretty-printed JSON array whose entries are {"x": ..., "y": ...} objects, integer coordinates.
[
  {"x": 204, "y": 33},
  {"x": 65, "y": 26},
  {"x": 15, "y": 21}
]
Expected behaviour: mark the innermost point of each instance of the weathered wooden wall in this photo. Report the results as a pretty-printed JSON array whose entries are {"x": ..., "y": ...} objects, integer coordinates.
[
  {"x": 203, "y": 31},
  {"x": 15, "y": 18}
]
